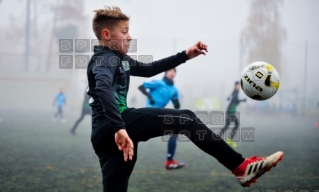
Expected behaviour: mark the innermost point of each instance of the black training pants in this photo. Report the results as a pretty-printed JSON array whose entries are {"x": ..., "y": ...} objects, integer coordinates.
[{"x": 145, "y": 123}]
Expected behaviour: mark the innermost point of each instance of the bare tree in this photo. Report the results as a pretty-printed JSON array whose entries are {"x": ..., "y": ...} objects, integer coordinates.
[
  {"x": 55, "y": 16},
  {"x": 68, "y": 17},
  {"x": 264, "y": 35}
]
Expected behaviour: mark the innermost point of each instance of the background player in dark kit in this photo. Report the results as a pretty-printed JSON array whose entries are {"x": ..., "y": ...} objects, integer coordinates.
[
  {"x": 86, "y": 110},
  {"x": 230, "y": 114}
]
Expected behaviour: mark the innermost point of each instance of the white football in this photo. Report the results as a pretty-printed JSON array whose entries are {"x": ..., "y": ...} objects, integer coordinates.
[{"x": 260, "y": 81}]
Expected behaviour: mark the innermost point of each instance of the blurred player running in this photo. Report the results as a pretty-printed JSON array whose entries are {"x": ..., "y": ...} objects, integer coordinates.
[
  {"x": 231, "y": 114},
  {"x": 160, "y": 93},
  {"x": 86, "y": 110},
  {"x": 60, "y": 102}
]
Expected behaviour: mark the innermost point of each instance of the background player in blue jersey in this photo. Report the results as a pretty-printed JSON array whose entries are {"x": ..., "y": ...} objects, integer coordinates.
[
  {"x": 159, "y": 94},
  {"x": 59, "y": 101}
]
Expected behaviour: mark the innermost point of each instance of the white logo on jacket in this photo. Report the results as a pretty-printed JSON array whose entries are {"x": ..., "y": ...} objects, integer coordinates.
[{"x": 126, "y": 65}]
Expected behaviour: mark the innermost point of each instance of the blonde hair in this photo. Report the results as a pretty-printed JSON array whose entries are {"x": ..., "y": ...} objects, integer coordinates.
[{"x": 107, "y": 18}]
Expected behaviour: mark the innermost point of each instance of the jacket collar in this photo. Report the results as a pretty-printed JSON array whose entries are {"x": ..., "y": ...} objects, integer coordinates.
[
  {"x": 99, "y": 48},
  {"x": 168, "y": 81}
]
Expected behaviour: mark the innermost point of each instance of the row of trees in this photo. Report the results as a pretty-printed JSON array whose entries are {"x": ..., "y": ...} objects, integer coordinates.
[
  {"x": 264, "y": 35},
  {"x": 49, "y": 21}
]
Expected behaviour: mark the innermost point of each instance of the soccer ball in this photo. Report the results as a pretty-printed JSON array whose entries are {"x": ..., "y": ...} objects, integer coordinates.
[{"x": 260, "y": 81}]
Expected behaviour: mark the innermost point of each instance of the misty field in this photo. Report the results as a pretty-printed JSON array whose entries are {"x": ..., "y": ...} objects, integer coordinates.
[{"x": 39, "y": 155}]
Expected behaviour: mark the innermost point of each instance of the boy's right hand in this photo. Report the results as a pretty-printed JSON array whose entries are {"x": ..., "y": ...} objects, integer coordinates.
[
  {"x": 197, "y": 49},
  {"x": 125, "y": 144}
]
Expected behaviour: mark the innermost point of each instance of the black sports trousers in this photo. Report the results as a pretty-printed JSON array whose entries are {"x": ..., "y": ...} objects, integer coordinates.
[{"x": 145, "y": 123}]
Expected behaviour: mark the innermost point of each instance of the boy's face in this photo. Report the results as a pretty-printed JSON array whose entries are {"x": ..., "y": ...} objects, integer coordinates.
[
  {"x": 237, "y": 87},
  {"x": 120, "y": 37},
  {"x": 170, "y": 74}
]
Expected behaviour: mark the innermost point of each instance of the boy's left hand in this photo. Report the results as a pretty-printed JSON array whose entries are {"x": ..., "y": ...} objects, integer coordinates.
[
  {"x": 197, "y": 49},
  {"x": 125, "y": 144}
]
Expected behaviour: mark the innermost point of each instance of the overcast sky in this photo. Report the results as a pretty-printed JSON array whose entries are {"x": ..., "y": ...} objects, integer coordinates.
[
  {"x": 217, "y": 22},
  {"x": 218, "y": 19}
]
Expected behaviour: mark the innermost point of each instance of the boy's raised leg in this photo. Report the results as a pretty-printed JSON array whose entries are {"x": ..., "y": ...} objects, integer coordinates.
[{"x": 145, "y": 123}]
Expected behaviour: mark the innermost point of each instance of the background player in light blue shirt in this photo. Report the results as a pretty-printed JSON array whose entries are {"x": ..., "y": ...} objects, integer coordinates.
[
  {"x": 59, "y": 101},
  {"x": 159, "y": 94}
]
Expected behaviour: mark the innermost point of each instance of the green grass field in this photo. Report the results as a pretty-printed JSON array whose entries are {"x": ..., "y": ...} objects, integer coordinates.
[{"x": 39, "y": 155}]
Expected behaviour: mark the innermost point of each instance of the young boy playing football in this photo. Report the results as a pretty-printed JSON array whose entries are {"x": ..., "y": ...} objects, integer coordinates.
[{"x": 117, "y": 129}]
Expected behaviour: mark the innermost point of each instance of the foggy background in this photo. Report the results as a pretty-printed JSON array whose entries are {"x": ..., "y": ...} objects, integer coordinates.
[
  {"x": 37, "y": 154},
  {"x": 287, "y": 38}
]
